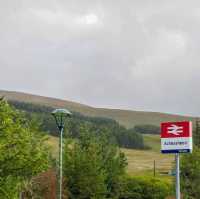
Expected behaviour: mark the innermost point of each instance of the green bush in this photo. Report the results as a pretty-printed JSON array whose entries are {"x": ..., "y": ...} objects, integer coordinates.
[
  {"x": 190, "y": 174},
  {"x": 144, "y": 188}
]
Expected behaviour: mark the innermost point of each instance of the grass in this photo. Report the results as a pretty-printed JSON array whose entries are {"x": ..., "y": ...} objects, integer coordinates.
[
  {"x": 53, "y": 143},
  {"x": 152, "y": 141},
  {"x": 140, "y": 162}
]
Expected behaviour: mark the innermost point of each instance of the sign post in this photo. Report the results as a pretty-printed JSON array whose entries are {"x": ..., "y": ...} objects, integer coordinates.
[
  {"x": 177, "y": 176},
  {"x": 176, "y": 137}
]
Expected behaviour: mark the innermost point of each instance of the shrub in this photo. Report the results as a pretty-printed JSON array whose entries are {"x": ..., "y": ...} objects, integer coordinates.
[
  {"x": 190, "y": 174},
  {"x": 144, "y": 188}
]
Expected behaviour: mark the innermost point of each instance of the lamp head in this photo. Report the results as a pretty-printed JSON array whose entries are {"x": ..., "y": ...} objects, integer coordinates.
[{"x": 60, "y": 115}]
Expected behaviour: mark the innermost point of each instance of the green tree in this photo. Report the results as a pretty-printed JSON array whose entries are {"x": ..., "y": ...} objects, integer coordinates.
[
  {"x": 22, "y": 151},
  {"x": 196, "y": 133},
  {"x": 127, "y": 138},
  {"x": 92, "y": 166},
  {"x": 147, "y": 129},
  {"x": 190, "y": 174}
]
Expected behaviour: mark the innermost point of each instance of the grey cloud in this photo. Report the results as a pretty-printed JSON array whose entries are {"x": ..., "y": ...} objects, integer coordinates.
[{"x": 140, "y": 55}]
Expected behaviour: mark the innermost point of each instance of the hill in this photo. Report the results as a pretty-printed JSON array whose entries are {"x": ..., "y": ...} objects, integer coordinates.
[
  {"x": 127, "y": 118},
  {"x": 140, "y": 162}
]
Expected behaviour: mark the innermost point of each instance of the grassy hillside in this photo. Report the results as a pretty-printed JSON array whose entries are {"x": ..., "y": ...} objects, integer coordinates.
[
  {"x": 140, "y": 162},
  {"x": 127, "y": 118}
]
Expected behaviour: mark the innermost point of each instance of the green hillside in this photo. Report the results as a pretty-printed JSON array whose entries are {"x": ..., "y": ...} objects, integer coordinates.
[
  {"x": 140, "y": 162},
  {"x": 127, "y": 118}
]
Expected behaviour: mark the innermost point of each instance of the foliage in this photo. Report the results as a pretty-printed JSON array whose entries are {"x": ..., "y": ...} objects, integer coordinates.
[
  {"x": 22, "y": 152},
  {"x": 127, "y": 138},
  {"x": 190, "y": 174},
  {"x": 196, "y": 134},
  {"x": 9, "y": 187},
  {"x": 130, "y": 139},
  {"x": 41, "y": 186},
  {"x": 144, "y": 188},
  {"x": 147, "y": 129},
  {"x": 92, "y": 166}
]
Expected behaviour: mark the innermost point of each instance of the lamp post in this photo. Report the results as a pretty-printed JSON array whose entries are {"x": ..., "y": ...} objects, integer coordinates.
[{"x": 60, "y": 115}]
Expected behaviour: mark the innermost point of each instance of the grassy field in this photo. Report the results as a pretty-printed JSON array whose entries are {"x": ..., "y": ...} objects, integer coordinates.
[
  {"x": 152, "y": 141},
  {"x": 140, "y": 162}
]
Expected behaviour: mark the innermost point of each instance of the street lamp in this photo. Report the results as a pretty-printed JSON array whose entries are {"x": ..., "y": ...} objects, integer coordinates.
[{"x": 60, "y": 116}]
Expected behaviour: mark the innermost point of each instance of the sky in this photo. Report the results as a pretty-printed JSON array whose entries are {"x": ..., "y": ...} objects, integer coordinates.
[{"x": 128, "y": 54}]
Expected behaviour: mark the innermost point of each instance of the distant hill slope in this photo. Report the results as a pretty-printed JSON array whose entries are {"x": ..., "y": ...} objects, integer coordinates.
[{"x": 125, "y": 117}]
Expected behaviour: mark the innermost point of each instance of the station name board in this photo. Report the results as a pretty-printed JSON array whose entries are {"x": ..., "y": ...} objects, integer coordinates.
[{"x": 176, "y": 137}]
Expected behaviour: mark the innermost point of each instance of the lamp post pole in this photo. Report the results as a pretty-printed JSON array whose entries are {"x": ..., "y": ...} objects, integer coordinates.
[
  {"x": 60, "y": 115},
  {"x": 61, "y": 162}
]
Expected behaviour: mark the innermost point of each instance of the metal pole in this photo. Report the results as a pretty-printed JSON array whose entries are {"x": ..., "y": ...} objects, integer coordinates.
[
  {"x": 60, "y": 163},
  {"x": 20, "y": 195},
  {"x": 178, "y": 195}
]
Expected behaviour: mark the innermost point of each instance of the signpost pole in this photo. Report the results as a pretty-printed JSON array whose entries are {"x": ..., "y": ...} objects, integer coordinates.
[
  {"x": 178, "y": 195},
  {"x": 176, "y": 137}
]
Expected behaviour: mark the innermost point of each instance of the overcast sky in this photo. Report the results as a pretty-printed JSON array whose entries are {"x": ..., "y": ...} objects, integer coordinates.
[{"x": 131, "y": 54}]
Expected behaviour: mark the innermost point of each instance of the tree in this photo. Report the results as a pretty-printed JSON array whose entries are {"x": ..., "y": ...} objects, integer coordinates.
[
  {"x": 196, "y": 133},
  {"x": 92, "y": 166},
  {"x": 22, "y": 151},
  {"x": 147, "y": 129},
  {"x": 127, "y": 138},
  {"x": 190, "y": 174}
]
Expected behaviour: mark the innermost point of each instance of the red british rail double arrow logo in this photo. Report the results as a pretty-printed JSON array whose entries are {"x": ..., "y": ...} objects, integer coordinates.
[{"x": 176, "y": 129}]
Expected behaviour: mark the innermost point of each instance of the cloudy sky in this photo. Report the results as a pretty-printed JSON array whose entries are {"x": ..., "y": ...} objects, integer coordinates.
[{"x": 131, "y": 54}]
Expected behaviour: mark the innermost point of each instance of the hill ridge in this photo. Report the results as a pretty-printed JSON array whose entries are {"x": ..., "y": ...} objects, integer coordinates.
[{"x": 128, "y": 118}]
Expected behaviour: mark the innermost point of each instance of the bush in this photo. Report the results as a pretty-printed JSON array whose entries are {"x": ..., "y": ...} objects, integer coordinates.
[
  {"x": 190, "y": 174},
  {"x": 144, "y": 188}
]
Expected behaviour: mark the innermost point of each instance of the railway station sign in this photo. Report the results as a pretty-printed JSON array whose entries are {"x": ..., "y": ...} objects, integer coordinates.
[{"x": 176, "y": 137}]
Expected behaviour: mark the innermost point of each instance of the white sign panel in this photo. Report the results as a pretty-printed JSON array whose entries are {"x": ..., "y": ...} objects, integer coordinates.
[{"x": 176, "y": 137}]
